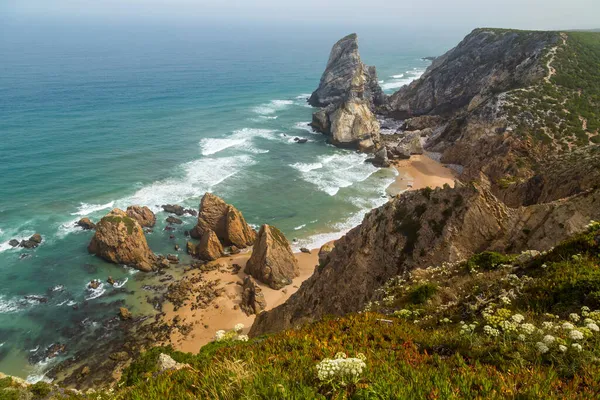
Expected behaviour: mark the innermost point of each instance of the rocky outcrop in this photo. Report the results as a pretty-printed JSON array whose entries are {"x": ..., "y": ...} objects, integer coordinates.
[
  {"x": 486, "y": 62},
  {"x": 349, "y": 93},
  {"x": 325, "y": 251},
  {"x": 272, "y": 260},
  {"x": 85, "y": 224},
  {"x": 419, "y": 229},
  {"x": 120, "y": 239},
  {"x": 143, "y": 215},
  {"x": 253, "y": 300},
  {"x": 34, "y": 241},
  {"x": 173, "y": 209},
  {"x": 210, "y": 247},
  {"x": 381, "y": 158},
  {"x": 409, "y": 144},
  {"x": 225, "y": 221},
  {"x": 346, "y": 77},
  {"x": 166, "y": 363}
]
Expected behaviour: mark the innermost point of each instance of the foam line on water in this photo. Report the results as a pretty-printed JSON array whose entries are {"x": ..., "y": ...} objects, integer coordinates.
[
  {"x": 239, "y": 139},
  {"x": 334, "y": 172},
  {"x": 86, "y": 209},
  {"x": 273, "y": 106},
  {"x": 400, "y": 80}
]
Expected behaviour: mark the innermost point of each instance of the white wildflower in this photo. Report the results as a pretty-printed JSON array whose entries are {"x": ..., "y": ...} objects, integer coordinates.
[
  {"x": 219, "y": 335},
  {"x": 562, "y": 348},
  {"x": 518, "y": 318},
  {"x": 577, "y": 347},
  {"x": 243, "y": 338},
  {"x": 574, "y": 317},
  {"x": 521, "y": 337},
  {"x": 541, "y": 347},
  {"x": 528, "y": 329},
  {"x": 576, "y": 335},
  {"x": 593, "y": 327},
  {"x": 488, "y": 330},
  {"x": 548, "y": 339},
  {"x": 568, "y": 326},
  {"x": 238, "y": 327},
  {"x": 547, "y": 325}
]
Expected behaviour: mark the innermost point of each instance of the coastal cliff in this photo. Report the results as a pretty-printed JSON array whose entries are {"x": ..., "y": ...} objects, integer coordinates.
[{"x": 529, "y": 180}]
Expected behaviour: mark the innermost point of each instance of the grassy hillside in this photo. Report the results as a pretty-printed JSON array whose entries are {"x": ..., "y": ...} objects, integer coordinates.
[
  {"x": 562, "y": 111},
  {"x": 494, "y": 326}
]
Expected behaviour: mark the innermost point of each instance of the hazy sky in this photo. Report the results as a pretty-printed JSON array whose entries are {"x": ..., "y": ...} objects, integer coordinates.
[{"x": 532, "y": 14}]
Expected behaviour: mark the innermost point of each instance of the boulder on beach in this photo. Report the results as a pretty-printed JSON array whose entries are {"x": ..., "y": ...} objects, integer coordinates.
[
  {"x": 225, "y": 221},
  {"x": 381, "y": 158},
  {"x": 86, "y": 224},
  {"x": 272, "y": 260},
  {"x": 120, "y": 239},
  {"x": 210, "y": 247},
  {"x": 253, "y": 300},
  {"x": 143, "y": 215}
]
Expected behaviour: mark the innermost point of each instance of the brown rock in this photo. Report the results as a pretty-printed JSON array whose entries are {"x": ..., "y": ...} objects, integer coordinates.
[
  {"x": 110, "y": 280},
  {"x": 305, "y": 250},
  {"x": 173, "y": 259},
  {"x": 239, "y": 232},
  {"x": 120, "y": 239},
  {"x": 119, "y": 356},
  {"x": 272, "y": 260},
  {"x": 95, "y": 284},
  {"x": 324, "y": 252},
  {"x": 210, "y": 247},
  {"x": 225, "y": 220},
  {"x": 173, "y": 209},
  {"x": 212, "y": 216},
  {"x": 173, "y": 220},
  {"x": 253, "y": 300},
  {"x": 190, "y": 248},
  {"x": 124, "y": 313},
  {"x": 32, "y": 242},
  {"x": 234, "y": 250},
  {"x": 143, "y": 215},
  {"x": 85, "y": 224}
]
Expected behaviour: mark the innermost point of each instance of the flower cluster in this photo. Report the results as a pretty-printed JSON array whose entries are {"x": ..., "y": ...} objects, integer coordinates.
[
  {"x": 341, "y": 369},
  {"x": 234, "y": 334}
]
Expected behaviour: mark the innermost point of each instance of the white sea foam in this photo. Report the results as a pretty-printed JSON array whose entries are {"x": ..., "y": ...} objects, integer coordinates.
[
  {"x": 120, "y": 284},
  {"x": 71, "y": 303},
  {"x": 299, "y": 227},
  {"x": 239, "y": 139},
  {"x": 8, "y": 306},
  {"x": 402, "y": 79},
  {"x": 34, "y": 350},
  {"x": 341, "y": 228},
  {"x": 199, "y": 176},
  {"x": 95, "y": 293},
  {"x": 305, "y": 126},
  {"x": 86, "y": 209},
  {"x": 273, "y": 106},
  {"x": 333, "y": 172}
]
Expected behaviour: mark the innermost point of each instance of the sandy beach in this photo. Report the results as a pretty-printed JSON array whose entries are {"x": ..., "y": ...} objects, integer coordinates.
[
  {"x": 223, "y": 313},
  {"x": 419, "y": 172}
]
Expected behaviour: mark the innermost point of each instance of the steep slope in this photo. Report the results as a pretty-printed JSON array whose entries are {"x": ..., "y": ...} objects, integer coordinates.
[{"x": 419, "y": 229}]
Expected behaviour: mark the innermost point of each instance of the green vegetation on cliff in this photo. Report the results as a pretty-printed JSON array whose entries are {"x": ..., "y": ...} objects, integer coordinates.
[{"x": 493, "y": 326}]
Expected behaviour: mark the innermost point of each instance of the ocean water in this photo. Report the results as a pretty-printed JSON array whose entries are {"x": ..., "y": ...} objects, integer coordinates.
[{"x": 95, "y": 116}]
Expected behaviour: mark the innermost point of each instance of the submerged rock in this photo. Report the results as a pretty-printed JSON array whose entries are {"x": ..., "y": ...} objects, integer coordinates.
[
  {"x": 13, "y": 242},
  {"x": 253, "y": 300},
  {"x": 120, "y": 239},
  {"x": 86, "y": 224},
  {"x": 173, "y": 209},
  {"x": 173, "y": 220},
  {"x": 210, "y": 247},
  {"x": 124, "y": 313},
  {"x": 143, "y": 215},
  {"x": 272, "y": 260}
]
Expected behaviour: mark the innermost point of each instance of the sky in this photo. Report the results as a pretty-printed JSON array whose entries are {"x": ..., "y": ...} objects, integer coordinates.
[{"x": 434, "y": 14}]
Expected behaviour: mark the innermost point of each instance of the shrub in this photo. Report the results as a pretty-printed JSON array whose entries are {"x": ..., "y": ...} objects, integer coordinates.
[{"x": 420, "y": 294}]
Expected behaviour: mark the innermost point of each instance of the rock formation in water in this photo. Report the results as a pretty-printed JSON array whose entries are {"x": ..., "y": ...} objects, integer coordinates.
[
  {"x": 272, "y": 260},
  {"x": 86, "y": 224},
  {"x": 348, "y": 92},
  {"x": 143, "y": 215},
  {"x": 225, "y": 220},
  {"x": 120, "y": 239},
  {"x": 346, "y": 77}
]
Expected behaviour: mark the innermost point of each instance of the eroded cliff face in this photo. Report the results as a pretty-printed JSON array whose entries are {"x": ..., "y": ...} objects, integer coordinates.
[
  {"x": 419, "y": 229},
  {"x": 485, "y": 62}
]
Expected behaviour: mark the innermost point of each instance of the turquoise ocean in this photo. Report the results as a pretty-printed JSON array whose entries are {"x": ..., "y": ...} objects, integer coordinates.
[{"x": 95, "y": 116}]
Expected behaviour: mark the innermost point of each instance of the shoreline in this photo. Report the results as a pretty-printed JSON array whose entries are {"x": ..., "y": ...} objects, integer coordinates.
[{"x": 223, "y": 312}]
